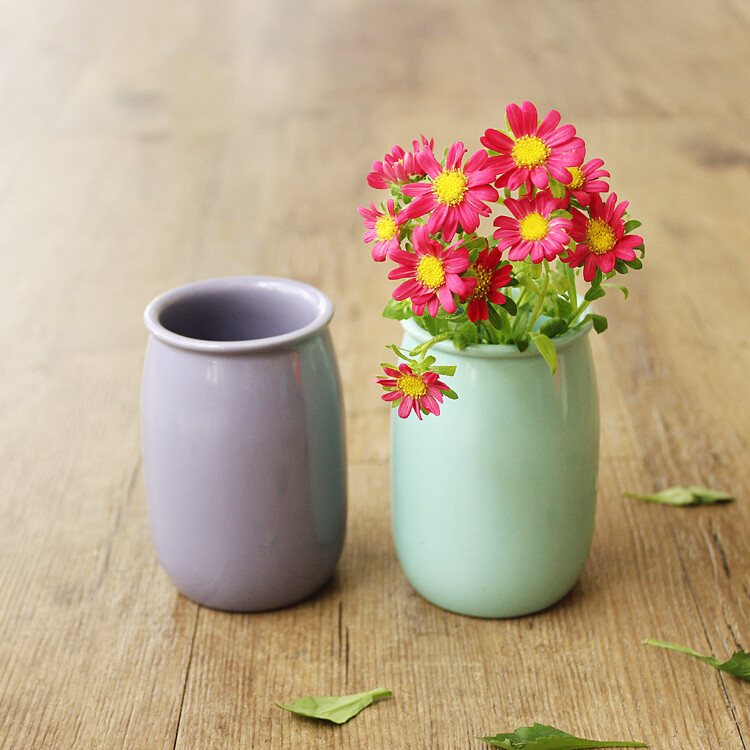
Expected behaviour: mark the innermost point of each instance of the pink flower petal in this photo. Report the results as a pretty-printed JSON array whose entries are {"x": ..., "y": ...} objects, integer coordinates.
[
  {"x": 429, "y": 163},
  {"x": 495, "y": 140},
  {"x": 548, "y": 124}
]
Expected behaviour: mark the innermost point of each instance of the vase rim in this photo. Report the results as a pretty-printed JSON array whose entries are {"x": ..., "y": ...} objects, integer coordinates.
[
  {"x": 495, "y": 351},
  {"x": 316, "y": 307}
]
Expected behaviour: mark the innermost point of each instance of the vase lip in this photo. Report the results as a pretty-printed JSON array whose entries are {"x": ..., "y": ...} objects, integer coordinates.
[
  {"x": 317, "y": 306},
  {"x": 496, "y": 351}
]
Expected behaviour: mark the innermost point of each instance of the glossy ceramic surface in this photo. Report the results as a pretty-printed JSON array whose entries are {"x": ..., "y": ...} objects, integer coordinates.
[
  {"x": 243, "y": 441},
  {"x": 493, "y": 501}
]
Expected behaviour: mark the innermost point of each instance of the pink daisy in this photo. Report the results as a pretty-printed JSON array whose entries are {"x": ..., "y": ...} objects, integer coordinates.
[
  {"x": 432, "y": 274},
  {"x": 415, "y": 392},
  {"x": 491, "y": 278},
  {"x": 537, "y": 151},
  {"x": 382, "y": 228},
  {"x": 531, "y": 229},
  {"x": 586, "y": 180},
  {"x": 601, "y": 237},
  {"x": 455, "y": 194},
  {"x": 398, "y": 167}
]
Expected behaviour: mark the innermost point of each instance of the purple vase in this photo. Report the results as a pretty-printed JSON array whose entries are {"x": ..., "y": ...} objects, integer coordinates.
[{"x": 243, "y": 441}]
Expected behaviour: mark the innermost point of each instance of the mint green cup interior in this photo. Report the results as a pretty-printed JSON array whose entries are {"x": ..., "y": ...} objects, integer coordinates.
[{"x": 493, "y": 501}]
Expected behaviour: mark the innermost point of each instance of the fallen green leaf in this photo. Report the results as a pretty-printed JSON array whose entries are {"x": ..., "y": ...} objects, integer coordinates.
[
  {"x": 685, "y": 496},
  {"x": 738, "y": 664},
  {"x": 336, "y": 708},
  {"x": 541, "y": 737}
]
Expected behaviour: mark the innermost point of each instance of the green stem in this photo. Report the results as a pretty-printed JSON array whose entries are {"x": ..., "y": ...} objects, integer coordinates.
[
  {"x": 425, "y": 346},
  {"x": 681, "y": 649},
  {"x": 520, "y": 300},
  {"x": 507, "y": 327},
  {"x": 574, "y": 317},
  {"x": 572, "y": 295},
  {"x": 539, "y": 305},
  {"x": 379, "y": 693}
]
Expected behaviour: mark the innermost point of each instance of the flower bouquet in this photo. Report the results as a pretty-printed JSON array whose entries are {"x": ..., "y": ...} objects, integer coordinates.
[{"x": 554, "y": 225}]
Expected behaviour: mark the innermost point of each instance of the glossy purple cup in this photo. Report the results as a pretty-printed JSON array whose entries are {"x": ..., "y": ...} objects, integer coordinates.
[{"x": 243, "y": 441}]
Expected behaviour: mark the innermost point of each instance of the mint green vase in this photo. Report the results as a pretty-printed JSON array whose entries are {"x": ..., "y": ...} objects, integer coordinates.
[{"x": 493, "y": 501}]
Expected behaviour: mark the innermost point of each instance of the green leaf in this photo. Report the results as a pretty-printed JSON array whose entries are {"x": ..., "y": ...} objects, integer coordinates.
[
  {"x": 450, "y": 394},
  {"x": 338, "y": 709},
  {"x": 553, "y": 327},
  {"x": 521, "y": 344},
  {"x": 685, "y": 496},
  {"x": 622, "y": 288},
  {"x": 526, "y": 281},
  {"x": 557, "y": 188},
  {"x": 738, "y": 664},
  {"x": 494, "y": 317},
  {"x": 707, "y": 496},
  {"x": 447, "y": 370},
  {"x": 594, "y": 293},
  {"x": 430, "y": 324},
  {"x": 395, "y": 310},
  {"x": 558, "y": 282},
  {"x": 635, "y": 263},
  {"x": 510, "y": 306},
  {"x": 631, "y": 225},
  {"x": 459, "y": 341},
  {"x": 599, "y": 322},
  {"x": 541, "y": 737},
  {"x": 621, "y": 266},
  {"x": 546, "y": 349},
  {"x": 564, "y": 307}
]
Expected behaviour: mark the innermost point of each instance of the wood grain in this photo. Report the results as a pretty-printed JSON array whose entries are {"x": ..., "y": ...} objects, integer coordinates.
[{"x": 144, "y": 145}]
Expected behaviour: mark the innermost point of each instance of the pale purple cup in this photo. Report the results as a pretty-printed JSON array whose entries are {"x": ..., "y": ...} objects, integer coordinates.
[{"x": 243, "y": 441}]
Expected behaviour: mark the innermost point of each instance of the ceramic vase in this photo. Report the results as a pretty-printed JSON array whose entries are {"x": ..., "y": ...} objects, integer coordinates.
[
  {"x": 243, "y": 441},
  {"x": 493, "y": 501}
]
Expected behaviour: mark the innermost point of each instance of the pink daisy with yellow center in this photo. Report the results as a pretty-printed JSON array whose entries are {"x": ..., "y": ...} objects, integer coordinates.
[
  {"x": 455, "y": 194},
  {"x": 398, "y": 167},
  {"x": 600, "y": 238},
  {"x": 536, "y": 151},
  {"x": 382, "y": 229},
  {"x": 586, "y": 180},
  {"x": 532, "y": 231},
  {"x": 432, "y": 273},
  {"x": 491, "y": 278},
  {"x": 413, "y": 391}
]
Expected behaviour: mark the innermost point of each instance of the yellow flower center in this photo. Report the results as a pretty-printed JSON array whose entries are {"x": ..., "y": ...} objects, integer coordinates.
[
  {"x": 386, "y": 227},
  {"x": 534, "y": 227},
  {"x": 577, "y": 182},
  {"x": 411, "y": 385},
  {"x": 449, "y": 187},
  {"x": 430, "y": 272},
  {"x": 530, "y": 151},
  {"x": 484, "y": 279},
  {"x": 600, "y": 237}
]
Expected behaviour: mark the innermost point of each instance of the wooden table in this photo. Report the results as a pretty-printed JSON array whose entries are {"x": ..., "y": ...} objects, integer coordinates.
[{"x": 147, "y": 144}]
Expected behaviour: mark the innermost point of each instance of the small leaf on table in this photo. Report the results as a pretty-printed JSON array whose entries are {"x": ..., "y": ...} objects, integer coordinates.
[
  {"x": 685, "y": 496},
  {"x": 738, "y": 664},
  {"x": 336, "y": 708},
  {"x": 541, "y": 737}
]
